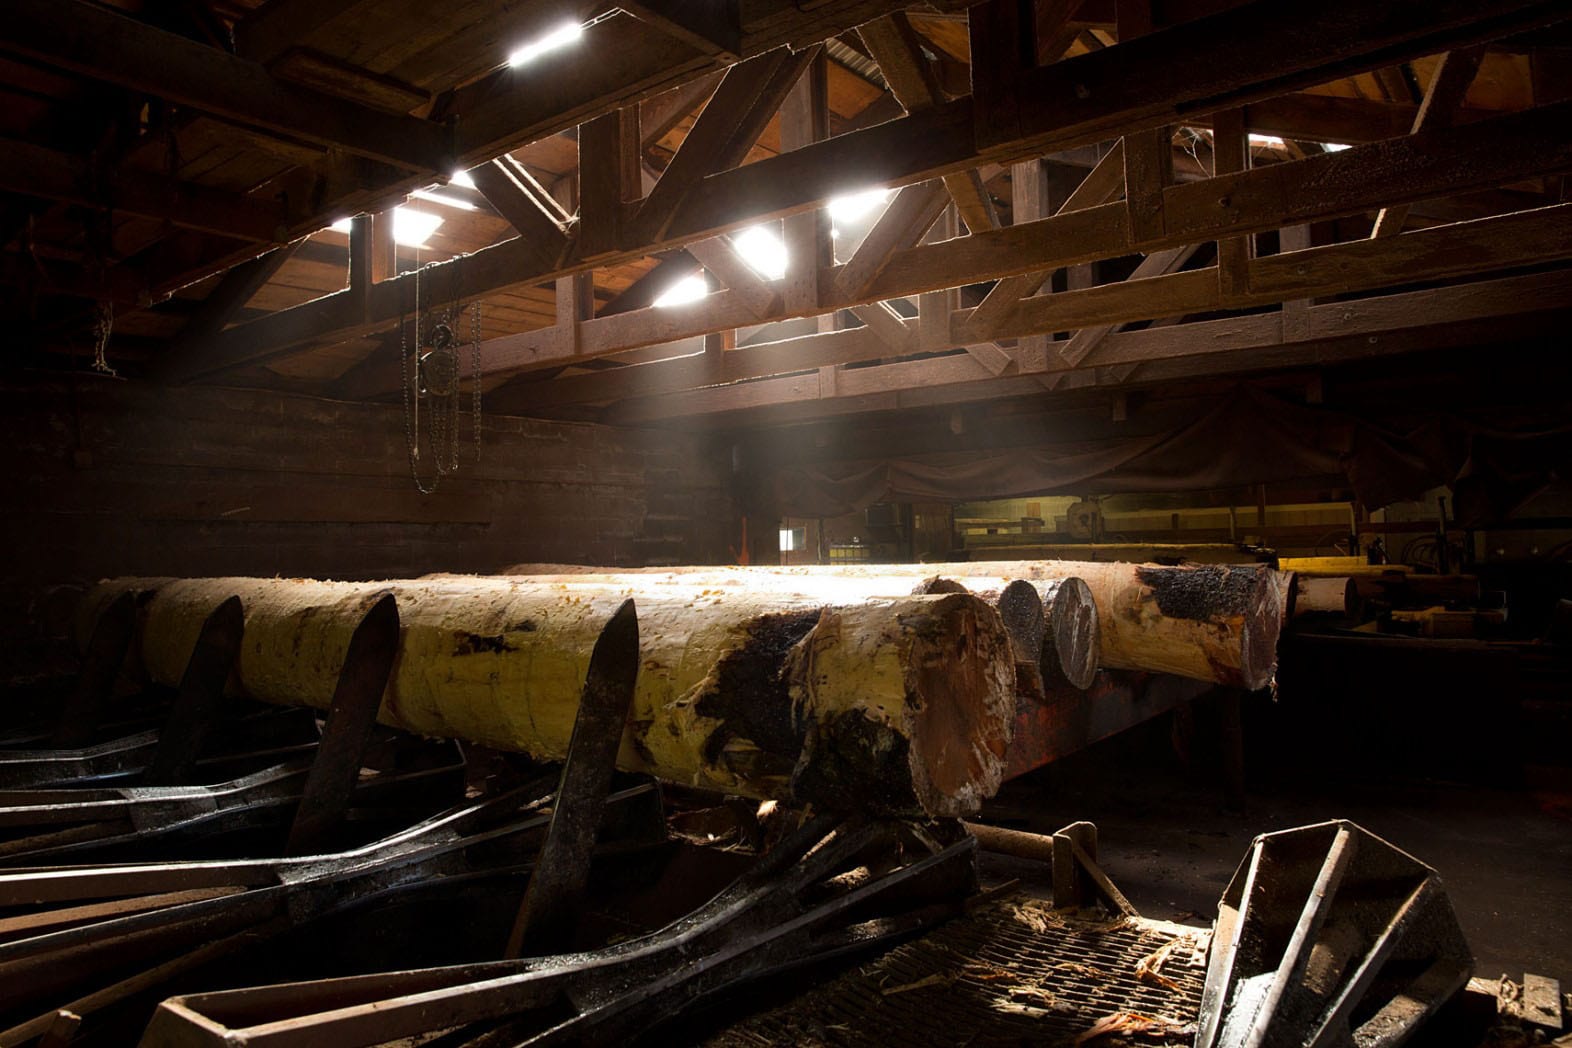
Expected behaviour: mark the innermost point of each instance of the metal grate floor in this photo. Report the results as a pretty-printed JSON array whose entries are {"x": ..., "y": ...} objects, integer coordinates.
[{"x": 1014, "y": 973}]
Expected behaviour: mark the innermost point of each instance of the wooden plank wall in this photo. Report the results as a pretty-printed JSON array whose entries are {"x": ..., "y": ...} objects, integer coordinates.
[{"x": 108, "y": 477}]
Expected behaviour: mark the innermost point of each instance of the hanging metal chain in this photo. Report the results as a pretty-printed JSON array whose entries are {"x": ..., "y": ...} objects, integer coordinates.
[
  {"x": 103, "y": 327},
  {"x": 474, "y": 408},
  {"x": 435, "y": 376},
  {"x": 411, "y": 375}
]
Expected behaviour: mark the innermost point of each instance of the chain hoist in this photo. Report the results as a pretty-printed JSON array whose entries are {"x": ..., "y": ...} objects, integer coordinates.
[{"x": 430, "y": 374}]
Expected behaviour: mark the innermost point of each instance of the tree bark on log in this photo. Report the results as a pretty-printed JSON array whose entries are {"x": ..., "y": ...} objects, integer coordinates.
[
  {"x": 898, "y": 706},
  {"x": 1214, "y": 622}
]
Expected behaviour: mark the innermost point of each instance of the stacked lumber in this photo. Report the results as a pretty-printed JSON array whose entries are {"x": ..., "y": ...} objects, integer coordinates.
[{"x": 899, "y": 705}]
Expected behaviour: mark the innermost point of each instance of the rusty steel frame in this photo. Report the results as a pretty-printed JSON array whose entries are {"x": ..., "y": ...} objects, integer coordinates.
[{"x": 769, "y": 920}]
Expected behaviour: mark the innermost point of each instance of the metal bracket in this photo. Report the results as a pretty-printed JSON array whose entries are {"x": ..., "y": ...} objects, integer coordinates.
[
  {"x": 1328, "y": 935},
  {"x": 775, "y": 917},
  {"x": 550, "y": 910},
  {"x": 351, "y": 718}
]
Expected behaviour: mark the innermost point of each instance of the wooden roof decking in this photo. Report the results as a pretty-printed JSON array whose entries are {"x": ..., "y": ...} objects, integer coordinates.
[{"x": 1008, "y": 155}]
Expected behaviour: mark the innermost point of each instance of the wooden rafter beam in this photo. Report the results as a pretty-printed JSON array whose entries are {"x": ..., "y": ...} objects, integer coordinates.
[
  {"x": 709, "y": 25},
  {"x": 805, "y": 119},
  {"x": 941, "y": 140},
  {"x": 1248, "y": 202},
  {"x": 905, "y": 219},
  {"x": 34, "y": 171},
  {"x": 278, "y": 25},
  {"x": 749, "y": 96},
  {"x": 1160, "y": 263},
  {"x": 1439, "y": 108},
  {"x": 93, "y": 41},
  {"x": 658, "y": 115},
  {"x": 718, "y": 256},
  {"x": 224, "y": 303},
  {"x": 1437, "y": 253},
  {"x": 527, "y": 206},
  {"x": 1101, "y": 184},
  {"x": 1526, "y": 238},
  {"x": 1239, "y": 56},
  {"x": 897, "y": 49},
  {"x": 1407, "y": 322}
]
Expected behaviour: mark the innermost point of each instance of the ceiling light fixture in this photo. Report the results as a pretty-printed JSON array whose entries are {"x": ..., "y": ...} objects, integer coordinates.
[
  {"x": 436, "y": 196},
  {"x": 1334, "y": 147},
  {"x": 560, "y": 37},
  {"x": 413, "y": 228},
  {"x": 852, "y": 206},
  {"x": 689, "y": 289},
  {"x": 762, "y": 250},
  {"x": 343, "y": 225},
  {"x": 461, "y": 178}
]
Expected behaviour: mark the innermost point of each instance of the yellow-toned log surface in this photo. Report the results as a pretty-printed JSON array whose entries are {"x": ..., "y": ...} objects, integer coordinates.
[
  {"x": 1216, "y": 622},
  {"x": 1065, "y": 645},
  {"x": 902, "y": 705}
]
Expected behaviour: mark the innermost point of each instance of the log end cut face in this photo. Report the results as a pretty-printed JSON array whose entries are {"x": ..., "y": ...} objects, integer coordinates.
[
  {"x": 904, "y": 713},
  {"x": 1240, "y": 608},
  {"x": 1072, "y": 642}
]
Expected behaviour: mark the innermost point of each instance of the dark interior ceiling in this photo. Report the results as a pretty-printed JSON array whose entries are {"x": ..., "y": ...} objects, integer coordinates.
[{"x": 1271, "y": 191}]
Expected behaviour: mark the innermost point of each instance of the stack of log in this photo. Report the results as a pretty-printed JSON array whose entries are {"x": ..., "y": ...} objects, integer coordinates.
[
  {"x": 888, "y": 689},
  {"x": 1402, "y": 601},
  {"x": 1213, "y": 622}
]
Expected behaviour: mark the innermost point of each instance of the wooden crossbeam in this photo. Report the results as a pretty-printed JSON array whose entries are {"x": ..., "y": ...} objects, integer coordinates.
[
  {"x": 1057, "y": 28},
  {"x": 1328, "y": 185},
  {"x": 658, "y": 115},
  {"x": 610, "y": 168},
  {"x": 1099, "y": 186},
  {"x": 1369, "y": 327},
  {"x": 905, "y": 219},
  {"x": 278, "y": 25},
  {"x": 710, "y": 25},
  {"x": 94, "y": 41},
  {"x": 941, "y": 140},
  {"x": 1248, "y": 202},
  {"x": 1231, "y": 155},
  {"x": 1244, "y": 52},
  {"x": 805, "y": 119},
  {"x": 829, "y": 349},
  {"x": 1442, "y": 99},
  {"x": 527, "y": 206},
  {"x": 1159, "y": 263},
  {"x": 228, "y": 298},
  {"x": 720, "y": 258},
  {"x": 32, "y": 170},
  {"x": 1437, "y": 253},
  {"x": 642, "y": 293},
  {"x": 897, "y": 49},
  {"x": 888, "y": 326},
  {"x": 748, "y": 97}
]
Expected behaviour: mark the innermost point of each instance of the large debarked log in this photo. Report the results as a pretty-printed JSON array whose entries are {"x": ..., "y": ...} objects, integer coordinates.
[
  {"x": 1063, "y": 631},
  {"x": 899, "y": 706},
  {"x": 1214, "y": 622}
]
